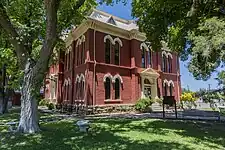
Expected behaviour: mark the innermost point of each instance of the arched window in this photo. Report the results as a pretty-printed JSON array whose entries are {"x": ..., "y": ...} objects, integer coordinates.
[
  {"x": 69, "y": 60},
  {"x": 117, "y": 88},
  {"x": 171, "y": 89},
  {"x": 117, "y": 53},
  {"x": 67, "y": 91},
  {"x": 165, "y": 90},
  {"x": 149, "y": 58},
  {"x": 81, "y": 90},
  {"x": 107, "y": 51},
  {"x": 170, "y": 65},
  {"x": 83, "y": 53},
  {"x": 146, "y": 81},
  {"x": 107, "y": 88},
  {"x": 143, "y": 60},
  {"x": 77, "y": 91},
  {"x": 164, "y": 63}
]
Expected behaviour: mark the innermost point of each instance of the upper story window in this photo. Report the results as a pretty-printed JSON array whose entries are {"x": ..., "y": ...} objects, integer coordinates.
[
  {"x": 145, "y": 56},
  {"x": 169, "y": 64},
  {"x": 117, "y": 54},
  {"x": 164, "y": 63},
  {"x": 167, "y": 61},
  {"x": 80, "y": 50},
  {"x": 149, "y": 58},
  {"x": 143, "y": 61},
  {"x": 107, "y": 51}
]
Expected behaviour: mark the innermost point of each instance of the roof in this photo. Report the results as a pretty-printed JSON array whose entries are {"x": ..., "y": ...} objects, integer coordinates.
[{"x": 113, "y": 20}]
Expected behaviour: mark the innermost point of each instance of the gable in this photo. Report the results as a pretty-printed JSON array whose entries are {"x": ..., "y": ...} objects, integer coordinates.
[
  {"x": 111, "y": 21},
  {"x": 149, "y": 72}
]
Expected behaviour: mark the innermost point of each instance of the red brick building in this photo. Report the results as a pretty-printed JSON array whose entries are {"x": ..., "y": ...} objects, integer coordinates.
[{"x": 108, "y": 61}]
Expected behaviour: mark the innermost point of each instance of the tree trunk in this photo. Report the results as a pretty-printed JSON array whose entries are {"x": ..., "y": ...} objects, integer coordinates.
[
  {"x": 29, "y": 122},
  {"x": 5, "y": 102}
]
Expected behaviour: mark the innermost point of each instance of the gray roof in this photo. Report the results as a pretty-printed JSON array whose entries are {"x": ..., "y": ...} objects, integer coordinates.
[{"x": 113, "y": 20}]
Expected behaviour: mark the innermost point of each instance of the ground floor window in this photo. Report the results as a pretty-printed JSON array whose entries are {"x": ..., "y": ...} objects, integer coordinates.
[
  {"x": 117, "y": 88},
  {"x": 107, "y": 88}
]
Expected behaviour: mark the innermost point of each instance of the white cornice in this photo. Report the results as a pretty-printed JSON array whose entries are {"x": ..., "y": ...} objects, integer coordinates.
[{"x": 105, "y": 28}]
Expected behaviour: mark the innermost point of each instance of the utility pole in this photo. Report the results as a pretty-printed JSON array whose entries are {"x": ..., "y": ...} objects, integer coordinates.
[
  {"x": 209, "y": 85},
  {"x": 188, "y": 88}
]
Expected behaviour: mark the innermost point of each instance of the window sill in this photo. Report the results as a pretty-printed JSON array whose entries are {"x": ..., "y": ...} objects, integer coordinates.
[{"x": 115, "y": 100}]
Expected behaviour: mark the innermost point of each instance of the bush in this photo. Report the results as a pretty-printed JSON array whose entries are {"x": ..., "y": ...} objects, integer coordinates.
[
  {"x": 51, "y": 106},
  {"x": 43, "y": 102},
  {"x": 188, "y": 99},
  {"x": 143, "y": 105}
]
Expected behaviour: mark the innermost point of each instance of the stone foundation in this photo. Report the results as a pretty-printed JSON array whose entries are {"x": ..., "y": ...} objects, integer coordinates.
[{"x": 95, "y": 109}]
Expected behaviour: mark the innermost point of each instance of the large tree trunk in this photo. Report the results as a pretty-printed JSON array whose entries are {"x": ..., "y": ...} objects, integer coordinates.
[{"x": 29, "y": 122}]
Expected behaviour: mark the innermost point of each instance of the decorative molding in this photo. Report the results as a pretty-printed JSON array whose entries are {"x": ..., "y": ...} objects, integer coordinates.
[
  {"x": 169, "y": 55},
  {"x": 91, "y": 23},
  {"x": 82, "y": 38},
  {"x": 65, "y": 82},
  {"x": 77, "y": 79},
  {"x": 117, "y": 76},
  {"x": 164, "y": 53},
  {"x": 78, "y": 42},
  {"x": 82, "y": 78},
  {"x": 170, "y": 83},
  {"x": 165, "y": 82},
  {"x": 109, "y": 38},
  {"x": 119, "y": 41},
  {"x": 143, "y": 45},
  {"x": 69, "y": 81},
  {"x": 108, "y": 75}
]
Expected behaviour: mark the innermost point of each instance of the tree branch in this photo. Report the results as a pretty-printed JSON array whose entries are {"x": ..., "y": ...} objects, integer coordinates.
[
  {"x": 41, "y": 66},
  {"x": 20, "y": 48}
]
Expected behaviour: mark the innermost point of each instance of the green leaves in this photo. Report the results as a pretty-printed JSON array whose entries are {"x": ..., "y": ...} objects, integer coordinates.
[{"x": 192, "y": 28}]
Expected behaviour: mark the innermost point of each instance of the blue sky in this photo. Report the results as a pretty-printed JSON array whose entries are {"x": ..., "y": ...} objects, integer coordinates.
[{"x": 187, "y": 80}]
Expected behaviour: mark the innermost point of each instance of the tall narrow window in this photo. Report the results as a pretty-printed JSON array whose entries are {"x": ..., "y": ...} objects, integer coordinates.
[
  {"x": 77, "y": 55},
  {"x": 69, "y": 60},
  {"x": 164, "y": 63},
  {"x": 107, "y": 88},
  {"x": 82, "y": 53},
  {"x": 107, "y": 51},
  {"x": 165, "y": 90},
  {"x": 170, "y": 65},
  {"x": 171, "y": 89},
  {"x": 117, "y": 53},
  {"x": 143, "y": 60},
  {"x": 67, "y": 92},
  {"x": 149, "y": 58},
  {"x": 81, "y": 89},
  {"x": 77, "y": 91},
  {"x": 117, "y": 88},
  {"x": 65, "y": 62}
]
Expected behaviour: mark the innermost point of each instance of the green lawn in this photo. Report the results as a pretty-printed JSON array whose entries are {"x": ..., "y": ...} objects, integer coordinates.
[{"x": 118, "y": 134}]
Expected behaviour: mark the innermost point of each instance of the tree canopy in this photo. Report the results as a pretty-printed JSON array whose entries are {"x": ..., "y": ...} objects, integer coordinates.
[{"x": 193, "y": 28}]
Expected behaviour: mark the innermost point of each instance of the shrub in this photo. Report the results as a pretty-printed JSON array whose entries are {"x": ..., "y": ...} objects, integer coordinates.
[
  {"x": 143, "y": 105},
  {"x": 43, "y": 102},
  {"x": 188, "y": 99},
  {"x": 51, "y": 106}
]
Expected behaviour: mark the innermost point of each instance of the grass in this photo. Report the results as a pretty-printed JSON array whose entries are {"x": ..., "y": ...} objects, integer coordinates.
[{"x": 118, "y": 134}]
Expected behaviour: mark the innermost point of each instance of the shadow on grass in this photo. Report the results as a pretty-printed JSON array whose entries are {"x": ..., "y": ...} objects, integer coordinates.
[
  {"x": 64, "y": 136},
  {"x": 200, "y": 130},
  {"x": 119, "y": 134}
]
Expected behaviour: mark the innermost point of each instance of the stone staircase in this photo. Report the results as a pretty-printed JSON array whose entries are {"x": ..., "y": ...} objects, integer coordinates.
[{"x": 156, "y": 107}]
